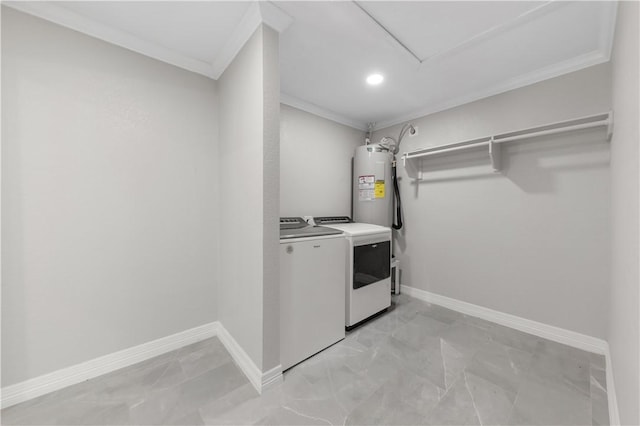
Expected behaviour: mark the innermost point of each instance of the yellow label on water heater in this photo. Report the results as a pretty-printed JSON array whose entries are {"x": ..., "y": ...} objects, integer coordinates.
[{"x": 379, "y": 189}]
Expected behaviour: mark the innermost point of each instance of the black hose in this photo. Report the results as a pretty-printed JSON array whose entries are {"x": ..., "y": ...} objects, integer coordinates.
[{"x": 396, "y": 191}]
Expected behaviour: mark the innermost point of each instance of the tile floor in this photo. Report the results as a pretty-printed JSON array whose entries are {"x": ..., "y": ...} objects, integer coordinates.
[{"x": 417, "y": 364}]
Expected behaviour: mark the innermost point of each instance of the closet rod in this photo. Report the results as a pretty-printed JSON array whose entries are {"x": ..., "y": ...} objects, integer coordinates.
[
  {"x": 500, "y": 139},
  {"x": 603, "y": 119}
]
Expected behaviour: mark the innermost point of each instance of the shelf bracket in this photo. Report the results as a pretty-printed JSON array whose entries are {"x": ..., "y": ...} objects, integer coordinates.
[
  {"x": 413, "y": 170},
  {"x": 495, "y": 154},
  {"x": 610, "y": 126}
]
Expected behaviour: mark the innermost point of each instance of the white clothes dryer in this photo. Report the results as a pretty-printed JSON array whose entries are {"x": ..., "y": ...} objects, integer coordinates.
[{"x": 368, "y": 267}]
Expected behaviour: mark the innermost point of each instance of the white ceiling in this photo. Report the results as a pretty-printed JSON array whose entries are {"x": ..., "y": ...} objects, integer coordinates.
[
  {"x": 461, "y": 51},
  {"x": 433, "y": 54}
]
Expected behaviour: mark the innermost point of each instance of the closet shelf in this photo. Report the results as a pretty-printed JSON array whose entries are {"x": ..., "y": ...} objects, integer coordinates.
[{"x": 413, "y": 160}]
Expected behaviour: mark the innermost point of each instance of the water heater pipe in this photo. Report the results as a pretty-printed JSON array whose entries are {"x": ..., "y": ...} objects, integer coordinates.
[{"x": 394, "y": 176}]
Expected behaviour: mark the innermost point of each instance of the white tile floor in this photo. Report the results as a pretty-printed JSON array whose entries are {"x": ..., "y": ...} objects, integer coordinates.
[{"x": 417, "y": 364}]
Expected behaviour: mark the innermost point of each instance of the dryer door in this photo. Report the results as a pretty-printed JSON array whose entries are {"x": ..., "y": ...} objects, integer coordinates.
[{"x": 371, "y": 263}]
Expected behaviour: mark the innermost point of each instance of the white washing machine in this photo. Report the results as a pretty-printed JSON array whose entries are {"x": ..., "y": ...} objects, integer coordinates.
[
  {"x": 368, "y": 267},
  {"x": 311, "y": 289}
]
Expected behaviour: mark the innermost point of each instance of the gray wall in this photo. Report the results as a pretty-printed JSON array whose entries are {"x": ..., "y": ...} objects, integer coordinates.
[
  {"x": 109, "y": 198},
  {"x": 249, "y": 100},
  {"x": 533, "y": 241},
  {"x": 624, "y": 313},
  {"x": 271, "y": 200},
  {"x": 315, "y": 164}
]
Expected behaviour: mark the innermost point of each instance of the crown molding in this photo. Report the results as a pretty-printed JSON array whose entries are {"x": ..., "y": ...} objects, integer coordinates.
[
  {"x": 601, "y": 55},
  {"x": 607, "y": 32},
  {"x": 320, "y": 112},
  {"x": 574, "y": 64},
  {"x": 273, "y": 16},
  {"x": 243, "y": 31},
  {"x": 259, "y": 12},
  {"x": 57, "y": 14}
]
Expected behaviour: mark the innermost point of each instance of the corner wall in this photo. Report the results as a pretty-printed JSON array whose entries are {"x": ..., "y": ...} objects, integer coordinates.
[
  {"x": 271, "y": 200},
  {"x": 624, "y": 317},
  {"x": 532, "y": 241},
  {"x": 248, "y": 175},
  {"x": 109, "y": 198}
]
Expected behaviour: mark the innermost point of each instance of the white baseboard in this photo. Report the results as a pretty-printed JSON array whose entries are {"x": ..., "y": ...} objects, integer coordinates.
[
  {"x": 557, "y": 334},
  {"x": 242, "y": 359},
  {"x": 258, "y": 379},
  {"x": 272, "y": 377},
  {"x": 50, "y": 382},
  {"x": 33, "y": 388}
]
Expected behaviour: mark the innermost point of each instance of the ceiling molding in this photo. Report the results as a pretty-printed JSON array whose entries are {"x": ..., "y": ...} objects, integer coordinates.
[
  {"x": 603, "y": 54},
  {"x": 57, "y": 14},
  {"x": 320, "y": 112},
  {"x": 243, "y": 31},
  {"x": 607, "y": 33},
  {"x": 574, "y": 64},
  {"x": 274, "y": 17},
  {"x": 257, "y": 13}
]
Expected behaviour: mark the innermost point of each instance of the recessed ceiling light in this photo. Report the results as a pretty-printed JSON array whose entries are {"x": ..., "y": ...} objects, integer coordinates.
[{"x": 375, "y": 79}]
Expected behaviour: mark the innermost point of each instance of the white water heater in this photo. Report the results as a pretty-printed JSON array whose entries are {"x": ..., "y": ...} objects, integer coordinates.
[{"x": 372, "y": 186}]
